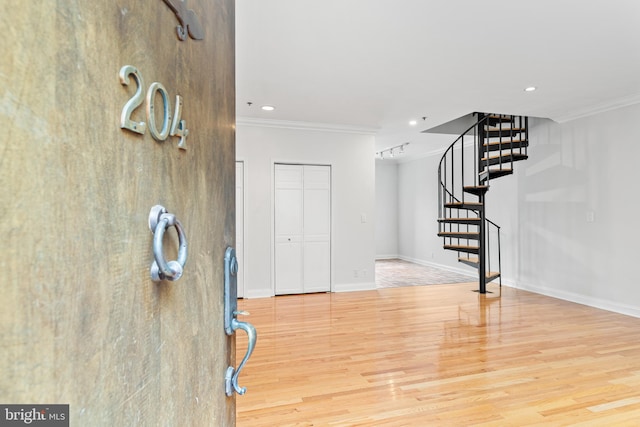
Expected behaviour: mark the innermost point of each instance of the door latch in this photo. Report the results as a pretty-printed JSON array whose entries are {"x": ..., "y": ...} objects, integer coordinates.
[{"x": 232, "y": 324}]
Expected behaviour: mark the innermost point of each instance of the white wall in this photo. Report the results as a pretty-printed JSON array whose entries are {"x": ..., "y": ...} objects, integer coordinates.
[
  {"x": 586, "y": 167},
  {"x": 386, "y": 209},
  {"x": 351, "y": 156},
  {"x": 418, "y": 239}
]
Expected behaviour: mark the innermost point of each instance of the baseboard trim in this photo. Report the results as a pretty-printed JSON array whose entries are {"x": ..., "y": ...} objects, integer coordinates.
[
  {"x": 258, "y": 293},
  {"x": 353, "y": 287},
  {"x": 382, "y": 257},
  {"x": 599, "y": 303}
]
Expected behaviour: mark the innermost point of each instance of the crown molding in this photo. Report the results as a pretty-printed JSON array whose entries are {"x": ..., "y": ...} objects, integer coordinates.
[
  {"x": 614, "y": 104},
  {"x": 287, "y": 124}
]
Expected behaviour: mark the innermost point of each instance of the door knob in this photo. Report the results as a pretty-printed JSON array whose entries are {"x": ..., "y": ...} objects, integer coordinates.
[{"x": 232, "y": 324}]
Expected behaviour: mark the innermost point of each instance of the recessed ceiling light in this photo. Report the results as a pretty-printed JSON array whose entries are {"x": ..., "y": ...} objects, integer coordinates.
[
  {"x": 413, "y": 122},
  {"x": 530, "y": 89},
  {"x": 268, "y": 107}
]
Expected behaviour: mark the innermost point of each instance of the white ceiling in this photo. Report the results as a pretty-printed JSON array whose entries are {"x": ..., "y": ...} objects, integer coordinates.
[{"x": 376, "y": 64}]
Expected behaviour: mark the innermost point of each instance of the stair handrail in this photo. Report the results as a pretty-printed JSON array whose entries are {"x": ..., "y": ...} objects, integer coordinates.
[
  {"x": 443, "y": 185},
  {"x": 489, "y": 249}
]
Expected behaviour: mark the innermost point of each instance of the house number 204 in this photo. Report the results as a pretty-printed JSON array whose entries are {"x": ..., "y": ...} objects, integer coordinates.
[{"x": 173, "y": 126}]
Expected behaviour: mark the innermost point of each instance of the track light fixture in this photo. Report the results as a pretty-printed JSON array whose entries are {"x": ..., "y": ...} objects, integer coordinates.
[{"x": 391, "y": 151}]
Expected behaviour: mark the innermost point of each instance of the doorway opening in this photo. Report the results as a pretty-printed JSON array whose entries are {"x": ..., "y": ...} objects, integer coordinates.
[{"x": 395, "y": 273}]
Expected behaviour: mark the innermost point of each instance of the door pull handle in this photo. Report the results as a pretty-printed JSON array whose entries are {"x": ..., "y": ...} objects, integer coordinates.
[
  {"x": 232, "y": 324},
  {"x": 159, "y": 220},
  {"x": 231, "y": 376}
]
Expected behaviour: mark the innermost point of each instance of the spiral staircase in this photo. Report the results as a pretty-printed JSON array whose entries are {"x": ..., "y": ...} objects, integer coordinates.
[{"x": 484, "y": 152}]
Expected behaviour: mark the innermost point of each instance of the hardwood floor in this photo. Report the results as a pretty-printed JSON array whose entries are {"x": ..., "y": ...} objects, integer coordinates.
[{"x": 438, "y": 355}]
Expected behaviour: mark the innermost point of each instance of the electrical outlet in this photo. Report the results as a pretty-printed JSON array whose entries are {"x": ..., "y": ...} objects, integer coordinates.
[
  {"x": 364, "y": 273},
  {"x": 355, "y": 274}
]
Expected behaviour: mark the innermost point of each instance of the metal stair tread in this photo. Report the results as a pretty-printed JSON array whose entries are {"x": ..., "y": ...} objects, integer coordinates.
[
  {"x": 476, "y": 189},
  {"x": 458, "y": 219},
  {"x": 462, "y": 248},
  {"x": 495, "y": 119},
  {"x": 497, "y": 132},
  {"x": 504, "y": 170},
  {"x": 460, "y": 234},
  {"x": 494, "y": 173},
  {"x": 518, "y": 156},
  {"x": 509, "y": 141},
  {"x": 498, "y": 129},
  {"x": 464, "y": 205},
  {"x": 503, "y": 117},
  {"x": 505, "y": 145}
]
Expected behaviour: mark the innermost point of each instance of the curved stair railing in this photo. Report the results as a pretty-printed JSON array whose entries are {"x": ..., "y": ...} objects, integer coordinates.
[{"x": 485, "y": 151}]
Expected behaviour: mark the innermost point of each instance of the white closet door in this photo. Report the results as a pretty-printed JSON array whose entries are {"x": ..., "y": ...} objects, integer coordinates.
[
  {"x": 317, "y": 229},
  {"x": 288, "y": 229},
  {"x": 240, "y": 226}
]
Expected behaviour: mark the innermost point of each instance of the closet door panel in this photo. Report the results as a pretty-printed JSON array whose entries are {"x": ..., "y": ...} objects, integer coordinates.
[
  {"x": 288, "y": 229},
  {"x": 317, "y": 274},
  {"x": 317, "y": 228}
]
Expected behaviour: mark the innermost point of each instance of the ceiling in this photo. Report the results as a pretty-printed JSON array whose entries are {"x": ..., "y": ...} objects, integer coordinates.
[{"x": 374, "y": 65}]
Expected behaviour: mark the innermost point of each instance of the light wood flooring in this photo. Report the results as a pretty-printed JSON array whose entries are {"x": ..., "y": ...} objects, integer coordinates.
[{"x": 438, "y": 355}]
